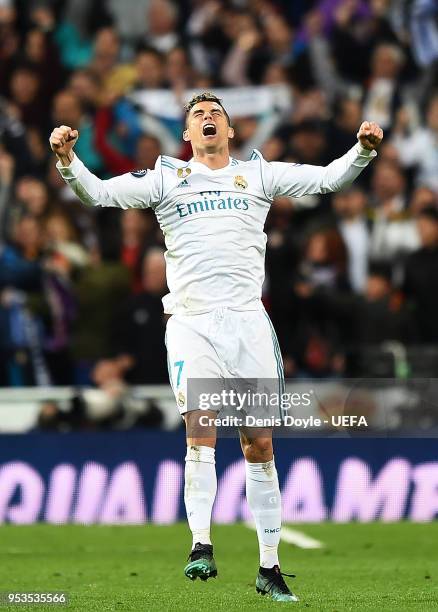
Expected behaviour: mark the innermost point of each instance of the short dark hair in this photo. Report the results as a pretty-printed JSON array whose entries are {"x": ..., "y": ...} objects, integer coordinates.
[
  {"x": 146, "y": 50},
  {"x": 430, "y": 212},
  {"x": 381, "y": 269},
  {"x": 205, "y": 96}
]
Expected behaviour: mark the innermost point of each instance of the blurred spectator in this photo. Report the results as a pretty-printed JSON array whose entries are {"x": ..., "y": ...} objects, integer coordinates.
[
  {"x": 62, "y": 242},
  {"x": 274, "y": 149},
  {"x": 120, "y": 131},
  {"x": 312, "y": 341},
  {"x": 307, "y": 143},
  {"x": 381, "y": 315},
  {"x": 358, "y": 27},
  {"x": 419, "y": 148},
  {"x": 106, "y": 53},
  {"x": 139, "y": 331},
  {"x": 31, "y": 198},
  {"x": 162, "y": 17},
  {"x": 353, "y": 226},
  {"x": 343, "y": 127},
  {"x": 9, "y": 42},
  {"x": 137, "y": 226},
  {"x": 40, "y": 264},
  {"x": 20, "y": 260},
  {"x": 27, "y": 98},
  {"x": 378, "y": 315},
  {"x": 13, "y": 139},
  {"x": 67, "y": 110},
  {"x": 21, "y": 344},
  {"x": 7, "y": 164},
  {"x": 38, "y": 151},
  {"x": 178, "y": 72},
  {"x": 206, "y": 36},
  {"x": 50, "y": 418},
  {"x": 246, "y": 42},
  {"x": 149, "y": 66},
  {"x": 86, "y": 87},
  {"x": 382, "y": 94},
  {"x": 323, "y": 263},
  {"x": 282, "y": 253},
  {"x": 424, "y": 31},
  {"x": 279, "y": 39},
  {"x": 393, "y": 231},
  {"x": 421, "y": 270},
  {"x": 130, "y": 18},
  {"x": 148, "y": 150},
  {"x": 98, "y": 289},
  {"x": 422, "y": 197},
  {"x": 42, "y": 55},
  {"x": 54, "y": 418}
]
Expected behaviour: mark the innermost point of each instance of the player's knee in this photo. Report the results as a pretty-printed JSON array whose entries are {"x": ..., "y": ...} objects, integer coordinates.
[
  {"x": 199, "y": 430},
  {"x": 257, "y": 450}
]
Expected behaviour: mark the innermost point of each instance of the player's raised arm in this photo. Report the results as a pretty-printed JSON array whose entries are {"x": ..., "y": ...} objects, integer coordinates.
[
  {"x": 131, "y": 190},
  {"x": 299, "y": 180}
]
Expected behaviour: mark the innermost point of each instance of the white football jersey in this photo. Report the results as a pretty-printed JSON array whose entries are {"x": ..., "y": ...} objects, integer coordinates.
[{"x": 213, "y": 220}]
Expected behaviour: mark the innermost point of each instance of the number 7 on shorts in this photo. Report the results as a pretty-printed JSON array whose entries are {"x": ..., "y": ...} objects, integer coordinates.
[{"x": 179, "y": 365}]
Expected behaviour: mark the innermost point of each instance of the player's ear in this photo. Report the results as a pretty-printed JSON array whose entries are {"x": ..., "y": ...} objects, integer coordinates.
[
  {"x": 230, "y": 132},
  {"x": 186, "y": 136}
]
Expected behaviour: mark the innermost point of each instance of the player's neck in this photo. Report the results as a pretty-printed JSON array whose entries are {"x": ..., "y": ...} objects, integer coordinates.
[{"x": 215, "y": 160}]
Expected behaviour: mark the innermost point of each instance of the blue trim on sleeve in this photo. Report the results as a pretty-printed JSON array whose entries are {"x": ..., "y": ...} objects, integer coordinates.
[
  {"x": 256, "y": 155},
  {"x": 167, "y": 163},
  {"x": 162, "y": 179}
]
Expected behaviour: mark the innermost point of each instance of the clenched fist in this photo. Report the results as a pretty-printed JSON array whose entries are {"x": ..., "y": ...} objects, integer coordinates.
[
  {"x": 62, "y": 141},
  {"x": 370, "y": 135}
]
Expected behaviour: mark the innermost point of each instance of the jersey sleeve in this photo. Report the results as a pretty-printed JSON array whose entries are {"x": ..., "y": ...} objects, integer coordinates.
[
  {"x": 140, "y": 189},
  {"x": 298, "y": 180}
]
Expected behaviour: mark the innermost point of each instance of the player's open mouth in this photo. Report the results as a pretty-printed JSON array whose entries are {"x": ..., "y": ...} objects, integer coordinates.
[{"x": 209, "y": 129}]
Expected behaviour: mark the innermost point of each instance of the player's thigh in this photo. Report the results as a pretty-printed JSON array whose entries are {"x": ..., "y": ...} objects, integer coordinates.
[
  {"x": 260, "y": 353},
  {"x": 261, "y": 372},
  {"x": 190, "y": 356}
]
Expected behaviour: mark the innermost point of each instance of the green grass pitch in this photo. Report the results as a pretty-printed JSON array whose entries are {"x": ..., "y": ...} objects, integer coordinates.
[{"x": 363, "y": 567}]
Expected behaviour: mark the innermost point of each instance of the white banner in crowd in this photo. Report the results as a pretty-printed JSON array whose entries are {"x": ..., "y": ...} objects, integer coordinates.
[{"x": 239, "y": 101}]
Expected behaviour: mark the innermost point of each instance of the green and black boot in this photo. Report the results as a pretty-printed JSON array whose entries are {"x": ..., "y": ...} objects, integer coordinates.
[
  {"x": 201, "y": 563},
  {"x": 270, "y": 582}
]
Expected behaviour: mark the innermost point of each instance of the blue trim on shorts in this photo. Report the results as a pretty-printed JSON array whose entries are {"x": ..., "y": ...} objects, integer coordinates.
[
  {"x": 168, "y": 362},
  {"x": 278, "y": 359}
]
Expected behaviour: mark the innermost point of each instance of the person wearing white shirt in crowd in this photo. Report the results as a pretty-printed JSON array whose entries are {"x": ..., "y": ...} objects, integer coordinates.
[
  {"x": 353, "y": 226},
  {"x": 419, "y": 147}
]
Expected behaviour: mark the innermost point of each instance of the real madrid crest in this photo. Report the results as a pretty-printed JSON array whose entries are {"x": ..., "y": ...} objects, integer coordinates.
[
  {"x": 240, "y": 182},
  {"x": 181, "y": 399},
  {"x": 183, "y": 172}
]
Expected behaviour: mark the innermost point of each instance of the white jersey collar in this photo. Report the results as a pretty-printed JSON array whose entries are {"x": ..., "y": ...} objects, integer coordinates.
[{"x": 200, "y": 166}]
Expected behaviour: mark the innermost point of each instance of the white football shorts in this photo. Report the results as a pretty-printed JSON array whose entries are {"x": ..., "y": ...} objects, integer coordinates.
[{"x": 221, "y": 344}]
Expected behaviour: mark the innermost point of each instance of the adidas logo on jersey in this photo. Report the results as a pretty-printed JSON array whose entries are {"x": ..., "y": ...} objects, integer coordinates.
[{"x": 184, "y": 183}]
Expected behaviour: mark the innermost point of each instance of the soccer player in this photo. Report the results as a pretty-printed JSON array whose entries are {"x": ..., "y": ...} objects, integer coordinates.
[{"x": 212, "y": 211}]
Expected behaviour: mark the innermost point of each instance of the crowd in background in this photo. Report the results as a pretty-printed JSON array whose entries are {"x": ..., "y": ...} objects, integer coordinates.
[{"x": 81, "y": 289}]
